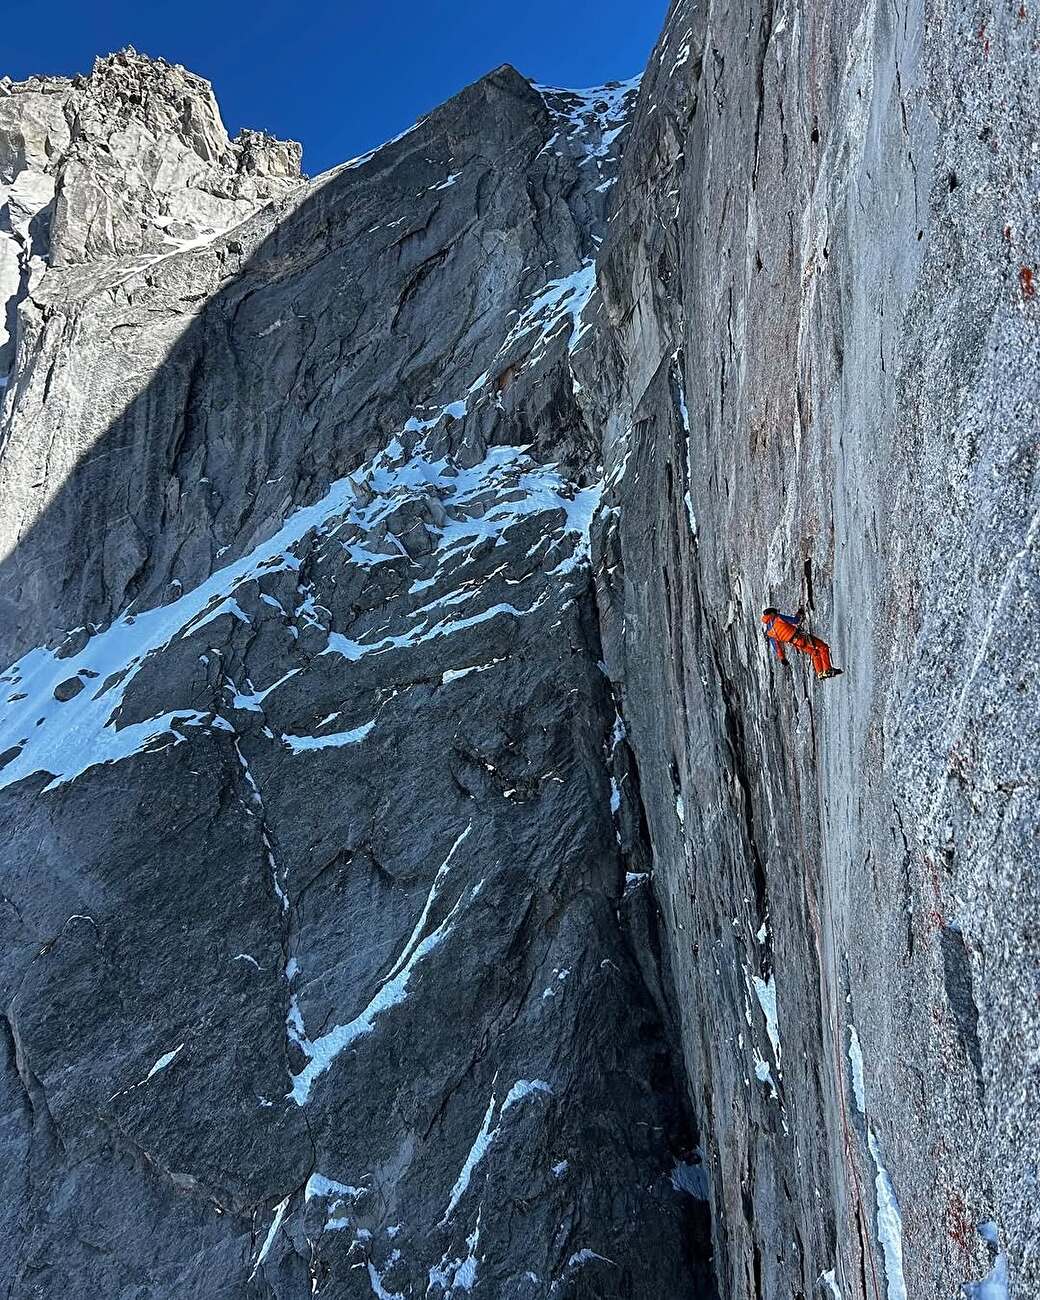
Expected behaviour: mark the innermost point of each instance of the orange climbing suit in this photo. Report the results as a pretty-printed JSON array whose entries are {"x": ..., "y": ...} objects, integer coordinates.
[{"x": 783, "y": 629}]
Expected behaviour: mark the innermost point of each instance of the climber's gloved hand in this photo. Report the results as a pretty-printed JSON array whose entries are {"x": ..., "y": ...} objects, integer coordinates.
[{"x": 800, "y": 613}]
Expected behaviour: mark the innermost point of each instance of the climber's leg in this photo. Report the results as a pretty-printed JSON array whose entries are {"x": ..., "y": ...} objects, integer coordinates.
[
  {"x": 807, "y": 645},
  {"x": 821, "y": 657},
  {"x": 819, "y": 653},
  {"x": 821, "y": 660}
]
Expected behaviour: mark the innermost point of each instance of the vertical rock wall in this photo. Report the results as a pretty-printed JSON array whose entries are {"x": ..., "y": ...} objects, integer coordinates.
[{"x": 819, "y": 334}]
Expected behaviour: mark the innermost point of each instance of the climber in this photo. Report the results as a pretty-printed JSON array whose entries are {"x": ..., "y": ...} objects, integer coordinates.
[{"x": 784, "y": 629}]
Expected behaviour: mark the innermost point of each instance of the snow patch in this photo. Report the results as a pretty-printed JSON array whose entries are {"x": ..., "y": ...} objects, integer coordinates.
[
  {"x": 376, "y": 1280},
  {"x": 319, "y": 1185},
  {"x": 68, "y": 738},
  {"x": 859, "y": 1089},
  {"x": 477, "y": 1152},
  {"x": 163, "y": 1063},
  {"x": 454, "y": 674},
  {"x": 524, "y": 1088},
  {"x": 679, "y": 389},
  {"x": 335, "y": 740},
  {"x": 485, "y": 1138},
  {"x": 460, "y": 1274},
  {"x": 889, "y": 1219},
  {"x": 363, "y": 158},
  {"x": 272, "y": 1232},
  {"x": 763, "y": 1073},
  {"x": 165, "y": 1060},
  {"x": 591, "y": 119},
  {"x": 587, "y": 1256},
  {"x": 324, "y": 1050},
  {"x": 889, "y": 1224},
  {"x": 765, "y": 991},
  {"x": 994, "y": 1286},
  {"x": 253, "y": 699}
]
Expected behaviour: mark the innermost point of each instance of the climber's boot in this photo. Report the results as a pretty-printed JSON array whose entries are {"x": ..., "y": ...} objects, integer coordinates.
[{"x": 831, "y": 672}]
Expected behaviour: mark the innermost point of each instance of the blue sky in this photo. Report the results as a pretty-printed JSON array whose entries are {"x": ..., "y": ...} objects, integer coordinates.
[{"x": 340, "y": 77}]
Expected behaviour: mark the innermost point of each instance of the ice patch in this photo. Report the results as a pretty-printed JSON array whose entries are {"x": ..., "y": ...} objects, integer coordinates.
[{"x": 830, "y": 1281}]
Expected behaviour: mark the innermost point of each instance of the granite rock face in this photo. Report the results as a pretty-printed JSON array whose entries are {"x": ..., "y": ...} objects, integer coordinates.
[
  {"x": 416, "y": 877},
  {"x": 814, "y": 373},
  {"x": 327, "y": 969},
  {"x": 130, "y": 161}
]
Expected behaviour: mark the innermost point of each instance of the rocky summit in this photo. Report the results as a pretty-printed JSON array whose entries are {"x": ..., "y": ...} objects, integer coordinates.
[{"x": 418, "y": 874}]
